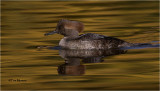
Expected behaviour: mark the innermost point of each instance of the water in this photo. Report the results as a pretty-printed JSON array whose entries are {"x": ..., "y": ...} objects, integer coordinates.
[{"x": 26, "y": 67}]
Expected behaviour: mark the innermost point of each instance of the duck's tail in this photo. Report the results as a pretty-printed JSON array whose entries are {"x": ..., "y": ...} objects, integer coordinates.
[
  {"x": 127, "y": 44},
  {"x": 141, "y": 44}
]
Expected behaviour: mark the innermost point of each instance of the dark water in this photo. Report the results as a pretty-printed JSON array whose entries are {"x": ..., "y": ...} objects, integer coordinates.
[{"x": 24, "y": 24}]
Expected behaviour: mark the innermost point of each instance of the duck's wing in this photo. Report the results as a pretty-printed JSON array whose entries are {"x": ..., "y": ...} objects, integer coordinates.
[
  {"x": 90, "y": 36},
  {"x": 111, "y": 42},
  {"x": 93, "y": 36}
]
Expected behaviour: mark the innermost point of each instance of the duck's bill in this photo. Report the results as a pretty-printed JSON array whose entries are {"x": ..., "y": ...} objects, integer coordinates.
[{"x": 50, "y": 33}]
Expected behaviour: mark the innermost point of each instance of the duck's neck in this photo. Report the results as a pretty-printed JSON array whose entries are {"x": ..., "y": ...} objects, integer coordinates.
[{"x": 72, "y": 34}]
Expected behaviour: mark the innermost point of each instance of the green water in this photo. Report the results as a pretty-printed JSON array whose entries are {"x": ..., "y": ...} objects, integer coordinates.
[{"x": 24, "y": 23}]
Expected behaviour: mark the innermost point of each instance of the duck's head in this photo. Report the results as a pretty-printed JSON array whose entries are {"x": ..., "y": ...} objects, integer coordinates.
[{"x": 67, "y": 28}]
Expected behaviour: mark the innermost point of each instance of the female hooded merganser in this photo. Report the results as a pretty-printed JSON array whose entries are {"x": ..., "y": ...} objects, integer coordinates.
[{"x": 72, "y": 39}]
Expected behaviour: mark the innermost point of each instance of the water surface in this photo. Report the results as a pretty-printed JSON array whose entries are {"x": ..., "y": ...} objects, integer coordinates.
[{"x": 24, "y": 24}]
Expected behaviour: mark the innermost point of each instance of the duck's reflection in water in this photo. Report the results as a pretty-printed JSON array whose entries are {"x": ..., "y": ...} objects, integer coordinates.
[{"x": 73, "y": 65}]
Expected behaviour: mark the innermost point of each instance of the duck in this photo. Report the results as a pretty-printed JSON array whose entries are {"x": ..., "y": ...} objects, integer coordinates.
[{"x": 72, "y": 40}]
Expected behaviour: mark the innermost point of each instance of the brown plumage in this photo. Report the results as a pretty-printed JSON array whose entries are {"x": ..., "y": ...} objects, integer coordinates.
[{"x": 71, "y": 25}]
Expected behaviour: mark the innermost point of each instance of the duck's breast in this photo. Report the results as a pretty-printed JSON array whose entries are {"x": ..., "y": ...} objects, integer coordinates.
[{"x": 63, "y": 42}]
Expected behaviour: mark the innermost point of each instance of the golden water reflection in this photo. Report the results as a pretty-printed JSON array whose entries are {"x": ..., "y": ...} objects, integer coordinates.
[{"x": 25, "y": 22}]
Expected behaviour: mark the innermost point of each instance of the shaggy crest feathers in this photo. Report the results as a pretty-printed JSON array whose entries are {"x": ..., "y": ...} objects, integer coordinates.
[{"x": 72, "y": 25}]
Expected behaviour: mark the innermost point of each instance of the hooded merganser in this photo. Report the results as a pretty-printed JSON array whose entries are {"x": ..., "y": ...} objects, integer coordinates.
[{"x": 72, "y": 39}]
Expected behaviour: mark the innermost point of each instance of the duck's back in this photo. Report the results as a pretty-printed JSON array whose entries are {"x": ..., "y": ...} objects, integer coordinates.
[{"x": 94, "y": 41}]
